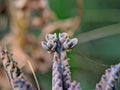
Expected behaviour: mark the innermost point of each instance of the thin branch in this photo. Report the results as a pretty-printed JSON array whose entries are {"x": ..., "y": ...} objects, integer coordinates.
[{"x": 30, "y": 65}]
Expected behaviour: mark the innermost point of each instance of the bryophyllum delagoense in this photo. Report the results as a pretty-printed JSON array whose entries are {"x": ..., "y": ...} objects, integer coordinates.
[
  {"x": 15, "y": 75},
  {"x": 59, "y": 46}
]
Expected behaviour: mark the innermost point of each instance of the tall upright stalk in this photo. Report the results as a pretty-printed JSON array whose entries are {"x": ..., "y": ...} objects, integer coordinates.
[{"x": 61, "y": 78}]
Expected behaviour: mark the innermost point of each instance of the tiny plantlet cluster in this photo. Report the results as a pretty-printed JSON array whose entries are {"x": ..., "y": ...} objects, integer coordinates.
[{"x": 59, "y": 46}]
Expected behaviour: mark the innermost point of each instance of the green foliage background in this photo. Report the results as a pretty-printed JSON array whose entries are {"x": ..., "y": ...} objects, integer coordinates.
[
  {"x": 99, "y": 39},
  {"x": 90, "y": 58}
]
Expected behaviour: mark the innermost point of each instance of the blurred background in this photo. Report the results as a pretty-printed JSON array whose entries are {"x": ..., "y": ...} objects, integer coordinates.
[{"x": 96, "y": 23}]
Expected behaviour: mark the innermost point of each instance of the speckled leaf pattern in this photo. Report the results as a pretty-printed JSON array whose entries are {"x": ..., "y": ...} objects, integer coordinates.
[{"x": 61, "y": 75}]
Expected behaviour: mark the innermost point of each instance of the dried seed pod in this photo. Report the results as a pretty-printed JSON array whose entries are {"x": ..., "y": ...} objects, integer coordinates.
[{"x": 110, "y": 80}]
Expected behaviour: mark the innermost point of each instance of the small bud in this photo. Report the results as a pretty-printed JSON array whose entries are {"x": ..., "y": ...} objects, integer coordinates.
[
  {"x": 47, "y": 37},
  {"x": 51, "y": 37},
  {"x": 51, "y": 46},
  {"x": 71, "y": 43},
  {"x": 54, "y": 36},
  {"x": 63, "y": 36},
  {"x": 44, "y": 45}
]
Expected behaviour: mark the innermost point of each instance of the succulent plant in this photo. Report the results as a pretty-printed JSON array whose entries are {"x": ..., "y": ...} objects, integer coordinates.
[
  {"x": 110, "y": 80},
  {"x": 61, "y": 73},
  {"x": 13, "y": 72}
]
